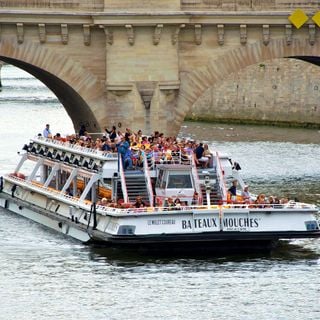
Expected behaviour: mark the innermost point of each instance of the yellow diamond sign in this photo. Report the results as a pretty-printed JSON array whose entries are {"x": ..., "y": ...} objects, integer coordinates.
[
  {"x": 298, "y": 18},
  {"x": 316, "y": 18}
]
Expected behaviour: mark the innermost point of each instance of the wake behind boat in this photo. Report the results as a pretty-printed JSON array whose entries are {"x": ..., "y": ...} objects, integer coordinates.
[{"x": 156, "y": 198}]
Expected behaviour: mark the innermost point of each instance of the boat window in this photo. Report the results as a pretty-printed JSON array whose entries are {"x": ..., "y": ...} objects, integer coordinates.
[
  {"x": 107, "y": 181},
  {"x": 179, "y": 181}
]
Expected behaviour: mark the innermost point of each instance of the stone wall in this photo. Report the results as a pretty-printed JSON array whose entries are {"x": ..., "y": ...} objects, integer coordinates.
[
  {"x": 219, "y": 5},
  {"x": 281, "y": 91},
  {"x": 54, "y": 4},
  {"x": 142, "y": 5},
  {"x": 238, "y": 5}
]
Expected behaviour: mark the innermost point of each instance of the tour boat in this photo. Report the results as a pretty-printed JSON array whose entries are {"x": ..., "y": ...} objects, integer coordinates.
[{"x": 61, "y": 185}]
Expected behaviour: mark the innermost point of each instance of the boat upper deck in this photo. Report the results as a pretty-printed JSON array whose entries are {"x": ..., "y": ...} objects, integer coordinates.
[{"x": 94, "y": 159}]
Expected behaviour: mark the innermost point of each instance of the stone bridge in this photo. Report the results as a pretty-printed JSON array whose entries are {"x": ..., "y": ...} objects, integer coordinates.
[{"x": 145, "y": 64}]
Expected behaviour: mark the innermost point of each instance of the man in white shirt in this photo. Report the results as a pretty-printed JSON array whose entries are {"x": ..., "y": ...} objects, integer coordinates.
[{"x": 246, "y": 194}]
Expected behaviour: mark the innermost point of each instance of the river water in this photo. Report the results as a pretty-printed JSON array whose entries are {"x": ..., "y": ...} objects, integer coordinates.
[{"x": 45, "y": 275}]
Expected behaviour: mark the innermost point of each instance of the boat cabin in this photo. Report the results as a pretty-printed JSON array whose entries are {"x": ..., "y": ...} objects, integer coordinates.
[{"x": 175, "y": 181}]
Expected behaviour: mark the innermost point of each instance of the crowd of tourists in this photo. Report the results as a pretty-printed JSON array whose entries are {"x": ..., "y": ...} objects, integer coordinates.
[
  {"x": 245, "y": 197},
  {"x": 134, "y": 146}
]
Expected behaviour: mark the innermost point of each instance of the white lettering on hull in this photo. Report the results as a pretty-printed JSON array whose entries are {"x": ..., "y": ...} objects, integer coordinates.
[
  {"x": 157, "y": 222},
  {"x": 229, "y": 224}
]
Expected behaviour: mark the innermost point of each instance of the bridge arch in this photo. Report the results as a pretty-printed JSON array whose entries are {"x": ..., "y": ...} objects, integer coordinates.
[
  {"x": 194, "y": 84},
  {"x": 75, "y": 87}
]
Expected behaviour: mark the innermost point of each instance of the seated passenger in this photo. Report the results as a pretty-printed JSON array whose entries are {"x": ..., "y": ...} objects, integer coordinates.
[
  {"x": 246, "y": 194},
  {"x": 177, "y": 203},
  {"x": 232, "y": 191},
  {"x": 207, "y": 154},
  {"x": 170, "y": 204},
  {"x": 103, "y": 202},
  {"x": 195, "y": 199},
  {"x": 200, "y": 158},
  {"x": 139, "y": 203},
  {"x": 261, "y": 200}
]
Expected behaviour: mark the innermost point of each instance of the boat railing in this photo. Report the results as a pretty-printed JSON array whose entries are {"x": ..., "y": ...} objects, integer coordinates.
[
  {"x": 236, "y": 175},
  {"x": 154, "y": 158},
  {"x": 48, "y": 190},
  {"x": 196, "y": 179},
  {"x": 77, "y": 148},
  {"x": 123, "y": 180},
  {"x": 148, "y": 180},
  {"x": 34, "y": 185},
  {"x": 220, "y": 176},
  {"x": 199, "y": 208},
  {"x": 172, "y": 157}
]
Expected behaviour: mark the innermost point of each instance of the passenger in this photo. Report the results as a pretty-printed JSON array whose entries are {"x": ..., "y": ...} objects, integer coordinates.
[
  {"x": 233, "y": 191},
  {"x": 103, "y": 202},
  {"x": 177, "y": 203},
  {"x": 46, "y": 132},
  {"x": 200, "y": 158},
  {"x": 57, "y": 137},
  {"x": 120, "y": 203},
  {"x": 261, "y": 200},
  {"x": 271, "y": 200},
  {"x": 82, "y": 130},
  {"x": 78, "y": 195},
  {"x": 112, "y": 204},
  {"x": 128, "y": 160},
  {"x": 170, "y": 204},
  {"x": 246, "y": 194},
  {"x": 106, "y": 146},
  {"x": 98, "y": 144},
  {"x": 184, "y": 204},
  {"x": 138, "y": 137},
  {"x": 195, "y": 199},
  {"x": 69, "y": 192},
  {"x": 112, "y": 133},
  {"x": 284, "y": 200},
  {"x": 86, "y": 137},
  {"x": 123, "y": 148},
  {"x": 276, "y": 200},
  {"x": 207, "y": 154},
  {"x": 139, "y": 203}
]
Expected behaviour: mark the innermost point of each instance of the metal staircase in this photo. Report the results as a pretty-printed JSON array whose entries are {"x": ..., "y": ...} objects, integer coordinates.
[{"x": 136, "y": 186}]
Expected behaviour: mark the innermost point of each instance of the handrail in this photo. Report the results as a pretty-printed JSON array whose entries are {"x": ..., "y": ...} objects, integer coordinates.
[
  {"x": 111, "y": 210},
  {"x": 148, "y": 179},
  {"x": 123, "y": 180},
  {"x": 196, "y": 178},
  {"x": 172, "y": 157},
  {"x": 222, "y": 183},
  {"x": 39, "y": 186},
  {"x": 67, "y": 146},
  {"x": 236, "y": 175},
  {"x": 175, "y": 157}
]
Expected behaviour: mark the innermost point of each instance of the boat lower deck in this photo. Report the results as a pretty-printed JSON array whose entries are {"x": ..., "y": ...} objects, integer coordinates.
[{"x": 196, "y": 242}]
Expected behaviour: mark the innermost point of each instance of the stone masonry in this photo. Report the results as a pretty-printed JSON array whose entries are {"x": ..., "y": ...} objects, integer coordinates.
[{"x": 149, "y": 63}]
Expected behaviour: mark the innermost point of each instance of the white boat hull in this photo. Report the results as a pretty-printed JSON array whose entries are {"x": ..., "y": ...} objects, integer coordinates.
[
  {"x": 189, "y": 231},
  {"x": 36, "y": 214}
]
